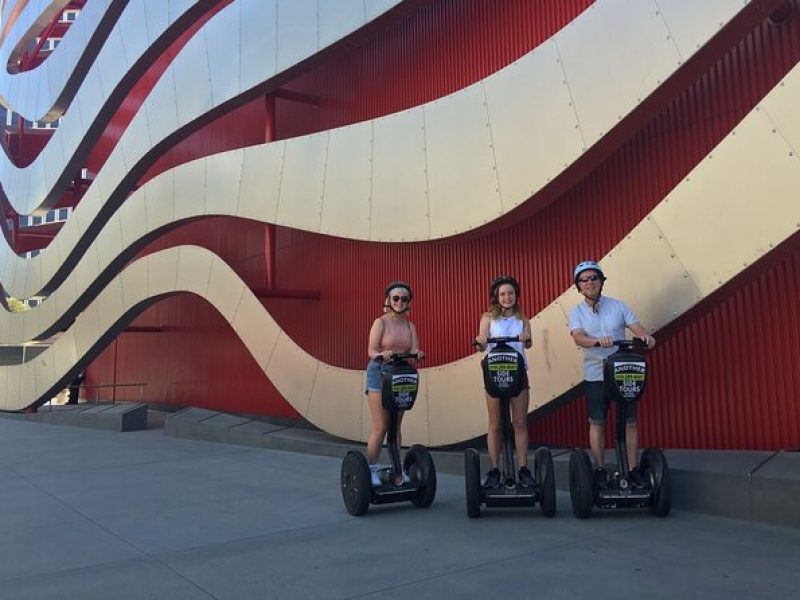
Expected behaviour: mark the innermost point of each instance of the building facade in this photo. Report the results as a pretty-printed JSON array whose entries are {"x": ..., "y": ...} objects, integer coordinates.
[{"x": 243, "y": 178}]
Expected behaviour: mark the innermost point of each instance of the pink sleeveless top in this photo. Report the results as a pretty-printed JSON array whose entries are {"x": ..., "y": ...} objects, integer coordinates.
[{"x": 396, "y": 335}]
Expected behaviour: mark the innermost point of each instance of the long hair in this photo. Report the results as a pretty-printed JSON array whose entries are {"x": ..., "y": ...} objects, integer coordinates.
[{"x": 496, "y": 311}]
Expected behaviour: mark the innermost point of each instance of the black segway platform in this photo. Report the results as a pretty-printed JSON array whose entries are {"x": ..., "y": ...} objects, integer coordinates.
[
  {"x": 502, "y": 371},
  {"x": 624, "y": 378},
  {"x": 400, "y": 384}
]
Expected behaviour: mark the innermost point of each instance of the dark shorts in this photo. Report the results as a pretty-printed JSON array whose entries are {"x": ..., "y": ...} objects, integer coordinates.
[
  {"x": 375, "y": 371},
  {"x": 597, "y": 403}
]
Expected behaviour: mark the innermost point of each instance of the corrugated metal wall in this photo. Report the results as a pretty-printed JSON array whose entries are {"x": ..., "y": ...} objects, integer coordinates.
[
  {"x": 441, "y": 48},
  {"x": 451, "y": 276}
]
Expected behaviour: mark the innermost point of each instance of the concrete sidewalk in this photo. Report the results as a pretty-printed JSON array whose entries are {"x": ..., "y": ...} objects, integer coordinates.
[{"x": 98, "y": 514}]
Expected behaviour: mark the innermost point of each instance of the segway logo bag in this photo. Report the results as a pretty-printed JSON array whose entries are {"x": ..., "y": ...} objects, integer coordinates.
[
  {"x": 502, "y": 372},
  {"x": 626, "y": 374},
  {"x": 400, "y": 385}
]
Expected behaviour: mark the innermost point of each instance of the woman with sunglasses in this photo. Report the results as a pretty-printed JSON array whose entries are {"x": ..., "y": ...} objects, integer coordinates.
[
  {"x": 390, "y": 334},
  {"x": 594, "y": 324},
  {"x": 505, "y": 319}
]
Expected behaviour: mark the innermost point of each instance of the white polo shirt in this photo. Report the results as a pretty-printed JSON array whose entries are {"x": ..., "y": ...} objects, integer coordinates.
[{"x": 611, "y": 319}]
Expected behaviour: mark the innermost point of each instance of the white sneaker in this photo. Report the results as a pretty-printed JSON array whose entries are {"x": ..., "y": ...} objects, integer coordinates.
[
  {"x": 373, "y": 472},
  {"x": 406, "y": 477}
]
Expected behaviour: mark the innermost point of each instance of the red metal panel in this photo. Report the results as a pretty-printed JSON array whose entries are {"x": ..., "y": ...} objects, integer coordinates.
[{"x": 443, "y": 47}]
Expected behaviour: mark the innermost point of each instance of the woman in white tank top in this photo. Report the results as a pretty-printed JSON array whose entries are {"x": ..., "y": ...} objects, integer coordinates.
[{"x": 505, "y": 319}]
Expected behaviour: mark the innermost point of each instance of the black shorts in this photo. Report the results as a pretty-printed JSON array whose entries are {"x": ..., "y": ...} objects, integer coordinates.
[{"x": 597, "y": 403}]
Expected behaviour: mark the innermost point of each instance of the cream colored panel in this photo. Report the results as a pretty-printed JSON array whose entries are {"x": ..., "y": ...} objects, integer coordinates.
[
  {"x": 158, "y": 196},
  {"x": 87, "y": 103},
  {"x": 228, "y": 295},
  {"x": 457, "y": 404},
  {"x": 657, "y": 286},
  {"x": 292, "y": 372},
  {"x": 36, "y": 182},
  {"x": 110, "y": 304},
  {"x": 258, "y": 52},
  {"x": 134, "y": 45},
  {"x": 135, "y": 286},
  {"x": 190, "y": 190},
  {"x": 133, "y": 222},
  {"x": 223, "y": 32},
  {"x": 399, "y": 184},
  {"x": 346, "y": 206},
  {"x": 462, "y": 179},
  {"x": 337, "y": 19},
  {"x": 111, "y": 61},
  {"x": 533, "y": 124},
  {"x": 300, "y": 202},
  {"x": 136, "y": 142},
  {"x": 86, "y": 330},
  {"x": 416, "y": 422},
  {"x": 16, "y": 328},
  {"x": 735, "y": 216},
  {"x": 86, "y": 270},
  {"x": 366, "y": 415},
  {"x": 39, "y": 320},
  {"x": 780, "y": 107},
  {"x": 163, "y": 271},
  {"x": 689, "y": 27},
  {"x": 65, "y": 296},
  {"x": 64, "y": 356},
  {"x": 261, "y": 181},
  {"x": 42, "y": 372},
  {"x": 161, "y": 107},
  {"x": 194, "y": 270},
  {"x": 337, "y": 392},
  {"x": 555, "y": 363},
  {"x": 298, "y": 31},
  {"x": 108, "y": 243},
  {"x": 192, "y": 79},
  {"x": 593, "y": 49},
  {"x": 256, "y": 328},
  {"x": 223, "y": 176}
]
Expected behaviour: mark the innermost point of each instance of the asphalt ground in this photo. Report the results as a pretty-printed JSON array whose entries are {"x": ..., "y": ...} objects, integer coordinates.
[{"x": 96, "y": 514}]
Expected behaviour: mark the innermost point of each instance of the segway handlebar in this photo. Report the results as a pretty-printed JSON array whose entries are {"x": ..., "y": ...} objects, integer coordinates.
[
  {"x": 399, "y": 356},
  {"x": 498, "y": 340},
  {"x": 636, "y": 343}
]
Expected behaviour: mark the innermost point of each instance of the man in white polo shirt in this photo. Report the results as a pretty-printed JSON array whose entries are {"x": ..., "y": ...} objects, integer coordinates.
[{"x": 594, "y": 324}]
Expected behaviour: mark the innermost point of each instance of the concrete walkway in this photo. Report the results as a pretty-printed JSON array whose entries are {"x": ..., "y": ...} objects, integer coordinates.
[{"x": 96, "y": 514}]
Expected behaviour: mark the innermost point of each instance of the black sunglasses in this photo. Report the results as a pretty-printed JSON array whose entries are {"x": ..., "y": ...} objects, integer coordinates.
[
  {"x": 400, "y": 298},
  {"x": 589, "y": 278}
]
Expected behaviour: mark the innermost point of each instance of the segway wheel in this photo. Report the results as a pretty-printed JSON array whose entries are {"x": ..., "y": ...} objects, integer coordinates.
[
  {"x": 356, "y": 483},
  {"x": 419, "y": 466},
  {"x": 654, "y": 465},
  {"x": 472, "y": 482},
  {"x": 581, "y": 484},
  {"x": 546, "y": 480}
]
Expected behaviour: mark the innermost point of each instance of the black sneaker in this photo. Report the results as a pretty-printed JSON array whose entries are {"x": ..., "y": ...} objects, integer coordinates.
[
  {"x": 637, "y": 479},
  {"x": 493, "y": 479},
  {"x": 525, "y": 477},
  {"x": 600, "y": 478}
]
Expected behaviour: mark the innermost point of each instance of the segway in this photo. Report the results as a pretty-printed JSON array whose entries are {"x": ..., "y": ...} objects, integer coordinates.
[
  {"x": 624, "y": 378},
  {"x": 398, "y": 393},
  {"x": 502, "y": 373}
]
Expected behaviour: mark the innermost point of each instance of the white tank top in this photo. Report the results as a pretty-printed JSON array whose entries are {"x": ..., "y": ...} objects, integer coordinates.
[{"x": 508, "y": 327}]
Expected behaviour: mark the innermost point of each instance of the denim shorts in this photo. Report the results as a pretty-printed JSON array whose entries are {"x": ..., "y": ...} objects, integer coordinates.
[
  {"x": 375, "y": 371},
  {"x": 597, "y": 403}
]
